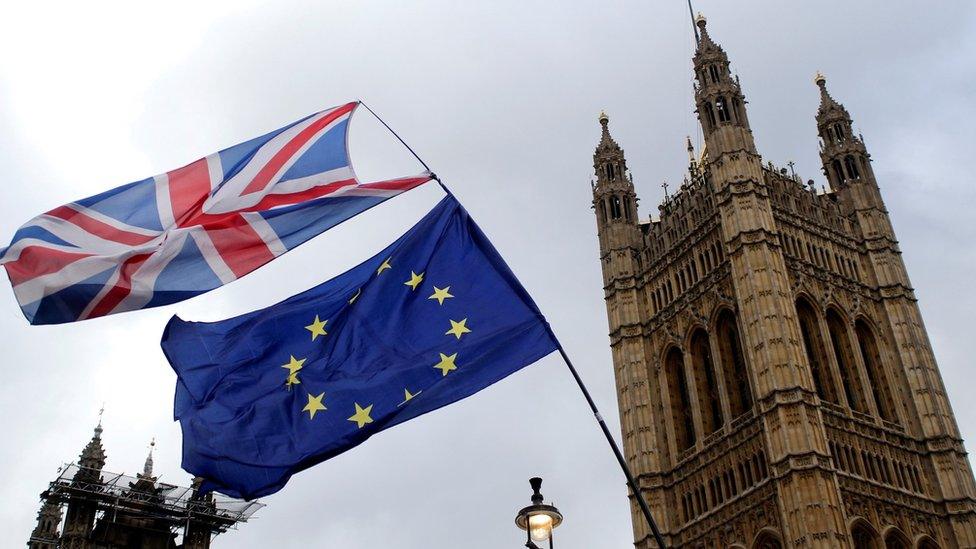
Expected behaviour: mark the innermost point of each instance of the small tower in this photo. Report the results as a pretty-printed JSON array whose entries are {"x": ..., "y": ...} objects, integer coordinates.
[
  {"x": 719, "y": 99},
  {"x": 80, "y": 516},
  {"x": 621, "y": 242},
  {"x": 45, "y": 535},
  {"x": 920, "y": 396}
]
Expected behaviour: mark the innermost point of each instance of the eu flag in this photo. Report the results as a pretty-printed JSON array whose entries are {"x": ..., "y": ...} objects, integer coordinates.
[{"x": 435, "y": 317}]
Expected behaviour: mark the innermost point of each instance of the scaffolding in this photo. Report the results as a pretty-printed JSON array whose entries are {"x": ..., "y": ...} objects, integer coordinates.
[{"x": 115, "y": 494}]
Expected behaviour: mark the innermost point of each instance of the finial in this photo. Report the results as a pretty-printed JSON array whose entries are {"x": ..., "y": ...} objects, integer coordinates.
[
  {"x": 98, "y": 428},
  {"x": 604, "y": 119},
  {"x": 700, "y": 20},
  {"x": 819, "y": 79}
]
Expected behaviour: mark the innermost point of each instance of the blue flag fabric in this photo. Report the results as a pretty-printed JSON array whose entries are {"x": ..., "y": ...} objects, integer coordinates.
[{"x": 434, "y": 318}]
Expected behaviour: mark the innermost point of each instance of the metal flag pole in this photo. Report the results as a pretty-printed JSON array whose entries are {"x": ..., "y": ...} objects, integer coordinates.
[
  {"x": 409, "y": 148},
  {"x": 645, "y": 509},
  {"x": 641, "y": 502}
]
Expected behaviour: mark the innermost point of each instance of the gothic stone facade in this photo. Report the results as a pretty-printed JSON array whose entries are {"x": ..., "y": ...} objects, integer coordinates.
[{"x": 776, "y": 384}]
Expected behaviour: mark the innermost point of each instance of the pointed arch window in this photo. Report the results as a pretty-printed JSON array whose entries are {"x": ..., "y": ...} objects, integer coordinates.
[
  {"x": 709, "y": 114},
  {"x": 713, "y": 72},
  {"x": 681, "y": 416},
  {"x": 705, "y": 384},
  {"x": 838, "y": 133},
  {"x": 611, "y": 174},
  {"x": 737, "y": 386},
  {"x": 864, "y": 536},
  {"x": 603, "y": 211},
  {"x": 838, "y": 171},
  {"x": 721, "y": 106},
  {"x": 850, "y": 379},
  {"x": 816, "y": 354},
  {"x": 896, "y": 539},
  {"x": 615, "y": 209},
  {"x": 880, "y": 386},
  {"x": 851, "y": 166}
]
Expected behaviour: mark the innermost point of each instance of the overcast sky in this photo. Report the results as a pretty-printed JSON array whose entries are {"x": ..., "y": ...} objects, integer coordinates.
[{"x": 501, "y": 98}]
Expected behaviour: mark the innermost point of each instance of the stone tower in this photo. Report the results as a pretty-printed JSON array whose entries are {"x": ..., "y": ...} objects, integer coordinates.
[
  {"x": 775, "y": 381},
  {"x": 80, "y": 517}
]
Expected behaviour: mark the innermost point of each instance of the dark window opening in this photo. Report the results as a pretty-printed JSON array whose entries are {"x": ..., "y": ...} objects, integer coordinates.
[
  {"x": 723, "y": 111},
  {"x": 681, "y": 416},
  {"x": 852, "y": 167}
]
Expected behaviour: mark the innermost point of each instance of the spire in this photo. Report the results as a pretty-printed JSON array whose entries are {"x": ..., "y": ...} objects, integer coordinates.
[
  {"x": 827, "y": 103},
  {"x": 705, "y": 42},
  {"x": 147, "y": 469},
  {"x": 607, "y": 142},
  {"x": 93, "y": 455}
]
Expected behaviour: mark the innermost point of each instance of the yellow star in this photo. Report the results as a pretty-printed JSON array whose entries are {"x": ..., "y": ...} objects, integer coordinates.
[
  {"x": 294, "y": 365},
  {"x": 407, "y": 395},
  {"x": 314, "y": 405},
  {"x": 361, "y": 417},
  {"x": 355, "y": 297},
  {"x": 386, "y": 265},
  {"x": 317, "y": 327},
  {"x": 446, "y": 364},
  {"x": 440, "y": 295},
  {"x": 458, "y": 328},
  {"x": 415, "y": 280},
  {"x": 292, "y": 380}
]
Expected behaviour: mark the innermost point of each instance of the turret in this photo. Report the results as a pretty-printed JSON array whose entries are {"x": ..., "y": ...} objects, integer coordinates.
[
  {"x": 80, "y": 515},
  {"x": 845, "y": 158},
  {"x": 718, "y": 98},
  {"x": 614, "y": 198},
  {"x": 45, "y": 534}
]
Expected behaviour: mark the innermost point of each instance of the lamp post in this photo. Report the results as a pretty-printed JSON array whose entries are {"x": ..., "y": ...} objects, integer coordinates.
[{"x": 538, "y": 520}]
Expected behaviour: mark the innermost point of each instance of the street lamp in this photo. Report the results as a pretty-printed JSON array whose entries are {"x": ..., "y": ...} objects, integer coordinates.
[{"x": 538, "y": 520}]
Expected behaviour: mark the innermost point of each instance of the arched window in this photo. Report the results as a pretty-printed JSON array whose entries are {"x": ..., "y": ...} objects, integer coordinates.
[
  {"x": 705, "y": 384},
  {"x": 709, "y": 114},
  {"x": 896, "y": 539},
  {"x": 880, "y": 386},
  {"x": 723, "y": 109},
  {"x": 603, "y": 211},
  {"x": 615, "y": 207},
  {"x": 838, "y": 132},
  {"x": 927, "y": 543},
  {"x": 713, "y": 72},
  {"x": 864, "y": 536},
  {"x": 838, "y": 171},
  {"x": 851, "y": 166},
  {"x": 736, "y": 110},
  {"x": 853, "y": 388},
  {"x": 733, "y": 364},
  {"x": 610, "y": 172},
  {"x": 816, "y": 354},
  {"x": 627, "y": 208},
  {"x": 767, "y": 540},
  {"x": 684, "y": 425}
]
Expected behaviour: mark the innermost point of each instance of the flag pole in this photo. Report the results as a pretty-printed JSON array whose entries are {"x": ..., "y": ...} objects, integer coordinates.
[
  {"x": 641, "y": 502},
  {"x": 579, "y": 381},
  {"x": 409, "y": 148}
]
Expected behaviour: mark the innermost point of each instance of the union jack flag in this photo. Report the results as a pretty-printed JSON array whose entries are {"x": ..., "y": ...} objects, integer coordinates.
[{"x": 176, "y": 235}]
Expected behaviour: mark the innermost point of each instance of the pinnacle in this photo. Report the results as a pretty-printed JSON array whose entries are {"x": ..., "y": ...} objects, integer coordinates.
[{"x": 827, "y": 102}]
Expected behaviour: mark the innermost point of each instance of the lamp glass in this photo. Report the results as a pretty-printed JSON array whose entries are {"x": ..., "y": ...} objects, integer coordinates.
[{"x": 540, "y": 527}]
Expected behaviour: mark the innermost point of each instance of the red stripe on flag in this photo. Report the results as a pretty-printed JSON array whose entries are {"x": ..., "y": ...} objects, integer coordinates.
[
  {"x": 403, "y": 184},
  {"x": 264, "y": 176},
  {"x": 238, "y": 244},
  {"x": 35, "y": 261},
  {"x": 98, "y": 228},
  {"x": 122, "y": 286},
  {"x": 273, "y": 200},
  {"x": 189, "y": 188}
]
